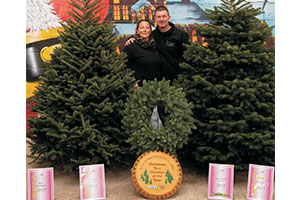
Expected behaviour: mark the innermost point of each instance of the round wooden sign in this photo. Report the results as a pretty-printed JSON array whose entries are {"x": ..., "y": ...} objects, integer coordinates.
[{"x": 156, "y": 175}]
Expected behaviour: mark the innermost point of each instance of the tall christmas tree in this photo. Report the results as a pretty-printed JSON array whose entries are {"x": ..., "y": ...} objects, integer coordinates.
[
  {"x": 230, "y": 81},
  {"x": 83, "y": 91}
]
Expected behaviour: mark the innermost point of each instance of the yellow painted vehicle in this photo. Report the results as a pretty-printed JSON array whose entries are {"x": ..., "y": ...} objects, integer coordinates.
[{"x": 39, "y": 46}]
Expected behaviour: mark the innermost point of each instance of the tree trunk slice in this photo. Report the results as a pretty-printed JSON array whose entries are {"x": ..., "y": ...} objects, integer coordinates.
[{"x": 156, "y": 175}]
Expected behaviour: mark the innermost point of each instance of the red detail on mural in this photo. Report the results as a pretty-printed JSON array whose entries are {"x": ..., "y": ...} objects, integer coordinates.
[
  {"x": 28, "y": 111},
  {"x": 62, "y": 7}
]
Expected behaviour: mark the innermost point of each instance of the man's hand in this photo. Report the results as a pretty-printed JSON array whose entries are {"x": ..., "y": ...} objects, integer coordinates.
[{"x": 129, "y": 41}]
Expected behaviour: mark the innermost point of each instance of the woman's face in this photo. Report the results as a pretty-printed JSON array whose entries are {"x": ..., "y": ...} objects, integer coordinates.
[{"x": 144, "y": 29}]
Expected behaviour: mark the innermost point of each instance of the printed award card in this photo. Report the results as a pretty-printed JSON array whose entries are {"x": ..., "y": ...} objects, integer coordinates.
[
  {"x": 92, "y": 182},
  {"x": 220, "y": 181},
  {"x": 260, "y": 182},
  {"x": 40, "y": 184}
]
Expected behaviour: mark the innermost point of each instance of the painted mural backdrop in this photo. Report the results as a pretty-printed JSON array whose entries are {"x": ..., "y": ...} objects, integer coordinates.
[{"x": 44, "y": 18}]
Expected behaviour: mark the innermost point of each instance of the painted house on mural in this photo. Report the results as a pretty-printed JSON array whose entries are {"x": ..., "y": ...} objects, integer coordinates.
[
  {"x": 125, "y": 14},
  {"x": 131, "y": 11},
  {"x": 44, "y": 17}
]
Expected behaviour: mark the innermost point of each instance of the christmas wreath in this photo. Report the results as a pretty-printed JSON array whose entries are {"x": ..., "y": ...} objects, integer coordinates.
[{"x": 143, "y": 124}]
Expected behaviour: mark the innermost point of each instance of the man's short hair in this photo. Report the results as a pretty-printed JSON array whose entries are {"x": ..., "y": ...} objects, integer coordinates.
[{"x": 161, "y": 8}]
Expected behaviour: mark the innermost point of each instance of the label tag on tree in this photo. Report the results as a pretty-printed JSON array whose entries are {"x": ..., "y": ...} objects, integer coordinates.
[
  {"x": 260, "y": 182},
  {"x": 40, "y": 184},
  {"x": 155, "y": 120},
  {"x": 156, "y": 175},
  {"x": 220, "y": 181},
  {"x": 92, "y": 182}
]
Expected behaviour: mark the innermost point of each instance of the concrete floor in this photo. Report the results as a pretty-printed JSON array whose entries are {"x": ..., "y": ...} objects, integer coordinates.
[{"x": 119, "y": 185}]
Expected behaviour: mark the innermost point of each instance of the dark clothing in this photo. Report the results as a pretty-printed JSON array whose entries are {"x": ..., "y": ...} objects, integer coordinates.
[
  {"x": 145, "y": 62},
  {"x": 170, "y": 45}
]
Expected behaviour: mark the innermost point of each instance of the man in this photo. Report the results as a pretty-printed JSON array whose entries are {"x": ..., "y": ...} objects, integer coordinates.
[{"x": 169, "y": 41}]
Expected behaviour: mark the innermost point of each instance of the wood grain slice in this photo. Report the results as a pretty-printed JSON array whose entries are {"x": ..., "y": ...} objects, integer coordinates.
[{"x": 156, "y": 175}]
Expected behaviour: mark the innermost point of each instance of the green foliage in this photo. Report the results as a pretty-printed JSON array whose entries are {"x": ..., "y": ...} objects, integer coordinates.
[
  {"x": 177, "y": 119},
  {"x": 145, "y": 177},
  {"x": 83, "y": 90},
  {"x": 231, "y": 85},
  {"x": 169, "y": 177}
]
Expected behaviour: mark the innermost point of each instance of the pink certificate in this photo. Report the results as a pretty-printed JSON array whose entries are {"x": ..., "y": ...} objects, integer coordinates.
[
  {"x": 260, "y": 182},
  {"x": 92, "y": 182},
  {"x": 40, "y": 184},
  {"x": 220, "y": 181}
]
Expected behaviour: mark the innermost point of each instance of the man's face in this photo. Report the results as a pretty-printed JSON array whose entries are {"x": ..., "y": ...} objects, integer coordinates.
[{"x": 162, "y": 18}]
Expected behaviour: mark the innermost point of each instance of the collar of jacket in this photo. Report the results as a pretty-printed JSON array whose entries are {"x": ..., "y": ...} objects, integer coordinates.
[{"x": 169, "y": 31}]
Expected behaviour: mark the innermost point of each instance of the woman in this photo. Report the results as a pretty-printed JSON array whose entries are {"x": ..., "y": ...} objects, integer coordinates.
[{"x": 142, "y": 55}]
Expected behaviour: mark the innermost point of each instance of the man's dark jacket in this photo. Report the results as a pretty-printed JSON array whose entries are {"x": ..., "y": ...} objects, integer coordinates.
[{"x": 170, "y": 45}]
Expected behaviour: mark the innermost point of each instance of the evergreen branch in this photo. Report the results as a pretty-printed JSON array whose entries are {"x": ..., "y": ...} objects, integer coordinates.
[
  {"x": 71, "y": 22},
  {"x": 82, "y": 121},
  {"x": 248, "y": 4},
  {"x": 85, "y": 3},
  {"x": 93, "y": 4},
  {"x": 67, "y": 52},
  {"x": 76, "y": 5},
  {"x": 83, "y": 32},
  {"x": 35, "y": 157},
  {"x": 81, "y": 42},
  {"x": 81, "y": 78},
  {"x": 55, "y": 135},
  {"x": 98, "y": 18},
  {"x": 98, "y": 9},
  {"x": 75, "y": 15},
  {"x": 77, "y": 19},
  {"x": 75, "y": 12},
  {"x": 85, "y": 161},
  {"x": 87, "y": 64},
  {"x": 71, "y": 66},
  {"x": 77, "y": 48},
  {"x": 89, "y": 16},
  {"x": 95, "y": 31},
  {"x": 74, "y": 35}
]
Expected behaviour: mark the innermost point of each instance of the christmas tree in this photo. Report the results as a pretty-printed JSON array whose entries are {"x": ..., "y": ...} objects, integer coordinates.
[
  {"x": 230, "y": 81},
  {"x": 83, "y": 92}
]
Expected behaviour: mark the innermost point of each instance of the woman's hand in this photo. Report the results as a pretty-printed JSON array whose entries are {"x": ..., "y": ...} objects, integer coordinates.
[{"x": 136, "y": 86}]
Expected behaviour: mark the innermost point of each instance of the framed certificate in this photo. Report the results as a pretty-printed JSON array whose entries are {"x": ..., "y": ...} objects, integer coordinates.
[
  {"x": 40, "y": 184},
  {"x": 220, "y": 181},
  {"x": 260, "y": 182},
  {"x": 92, "y": 182}
]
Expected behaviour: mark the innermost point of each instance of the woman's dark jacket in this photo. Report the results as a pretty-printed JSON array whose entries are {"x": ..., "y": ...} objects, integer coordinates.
[{"x": 145, "y": 61}]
